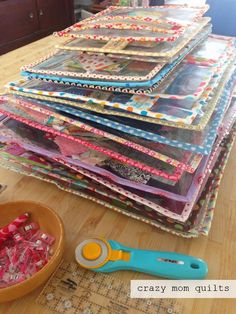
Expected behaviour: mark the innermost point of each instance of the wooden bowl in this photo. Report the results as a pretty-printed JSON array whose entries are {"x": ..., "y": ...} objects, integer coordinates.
[{"x": 49, "y": 222}]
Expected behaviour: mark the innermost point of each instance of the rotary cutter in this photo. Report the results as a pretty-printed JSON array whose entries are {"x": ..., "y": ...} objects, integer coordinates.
[{"x": 100, "y": 255}]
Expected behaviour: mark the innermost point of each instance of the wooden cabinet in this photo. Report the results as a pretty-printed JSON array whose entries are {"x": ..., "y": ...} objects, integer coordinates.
[
  {"x": 53, "y": 14},
  {"x": 27, "y": 20},
  {"x": 17, "y": 19}
]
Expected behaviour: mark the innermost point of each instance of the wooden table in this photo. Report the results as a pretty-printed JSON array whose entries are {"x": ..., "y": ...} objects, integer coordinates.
[{"x": 83, "y": 217}]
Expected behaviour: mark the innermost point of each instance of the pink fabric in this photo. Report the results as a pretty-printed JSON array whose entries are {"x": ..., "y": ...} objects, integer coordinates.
[
  {"x": 68, "y": 147},
  {"x": 15, "y": 150}
]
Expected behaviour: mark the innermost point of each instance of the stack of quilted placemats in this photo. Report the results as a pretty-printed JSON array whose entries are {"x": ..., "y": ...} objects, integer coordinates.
[{"x": 134, "y": 111}]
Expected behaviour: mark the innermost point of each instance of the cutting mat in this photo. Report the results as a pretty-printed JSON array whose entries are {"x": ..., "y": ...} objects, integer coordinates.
[{"x": 76, "y": 290}]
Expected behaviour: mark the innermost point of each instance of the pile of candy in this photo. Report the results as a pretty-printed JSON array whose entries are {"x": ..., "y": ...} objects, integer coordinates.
[{"x": 24, "y": 250}]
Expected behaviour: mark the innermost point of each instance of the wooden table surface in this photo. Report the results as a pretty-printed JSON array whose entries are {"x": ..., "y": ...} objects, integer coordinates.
[{"x": 83, "y": 218}]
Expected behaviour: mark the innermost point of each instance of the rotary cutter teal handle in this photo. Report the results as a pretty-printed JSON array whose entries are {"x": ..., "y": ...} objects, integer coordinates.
[{"x": 163, "y": 264}]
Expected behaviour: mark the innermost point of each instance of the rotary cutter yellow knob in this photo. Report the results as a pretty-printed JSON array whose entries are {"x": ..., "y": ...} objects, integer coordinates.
[
  {"x": 91, "y": 251},
  {"x": 96, "y": 252}
]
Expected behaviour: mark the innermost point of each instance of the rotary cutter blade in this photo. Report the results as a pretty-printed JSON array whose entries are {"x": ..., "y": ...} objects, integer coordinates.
[
  {"x": 92, "y": 253},
  {"x": 100, "y": 255}
]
